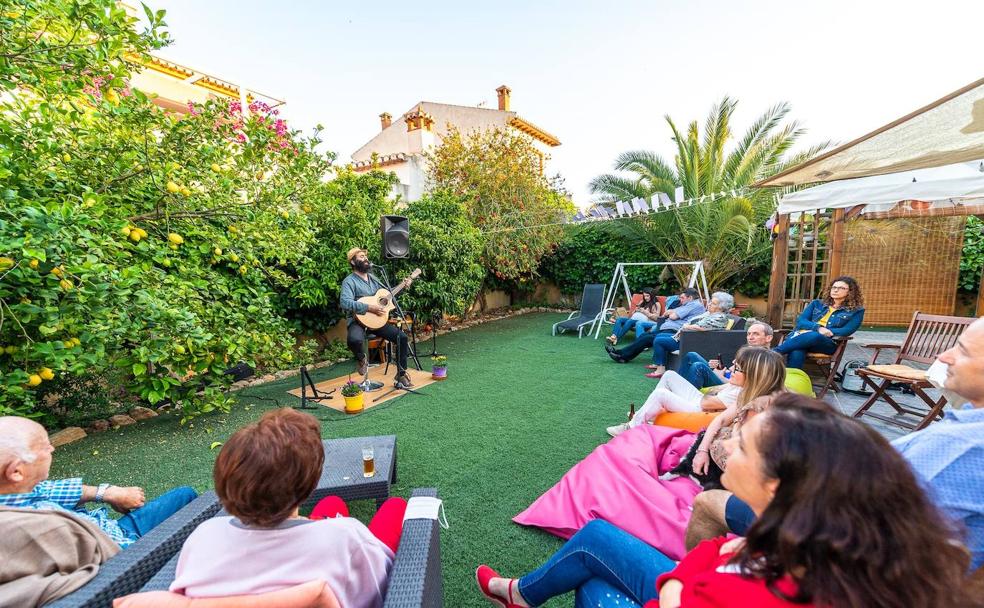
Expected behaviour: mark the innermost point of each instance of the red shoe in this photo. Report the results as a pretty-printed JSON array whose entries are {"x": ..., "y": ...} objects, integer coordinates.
[
  {"x": 655, "y": 374},
  {"x": 483, "y": 574},
  {"x": 652, "y": 367}
]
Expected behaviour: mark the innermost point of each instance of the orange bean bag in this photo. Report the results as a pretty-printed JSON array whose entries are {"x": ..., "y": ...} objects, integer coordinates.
[{"x": 688, "y": 421}]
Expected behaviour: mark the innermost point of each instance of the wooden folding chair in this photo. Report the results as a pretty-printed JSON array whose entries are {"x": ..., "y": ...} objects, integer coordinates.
[
  {"x": 828, "y": 365},
  {"x": 928, "y": 336}
]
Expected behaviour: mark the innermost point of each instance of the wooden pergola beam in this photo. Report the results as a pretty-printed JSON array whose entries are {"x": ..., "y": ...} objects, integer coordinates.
[{"x": 780, "y": 268}]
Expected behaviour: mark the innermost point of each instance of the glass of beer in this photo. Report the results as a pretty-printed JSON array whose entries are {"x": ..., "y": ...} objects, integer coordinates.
[{"x": 368, "y": 462}]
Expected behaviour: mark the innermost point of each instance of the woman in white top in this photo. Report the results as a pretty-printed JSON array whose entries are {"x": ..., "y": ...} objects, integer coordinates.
[
  {"x": 262, "y": 475},
  {"x": 756, "y": 373}
]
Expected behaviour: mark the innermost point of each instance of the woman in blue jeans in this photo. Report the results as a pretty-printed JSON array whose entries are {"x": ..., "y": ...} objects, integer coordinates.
[
  {"x": 648, "y": 312},
  {"x": 838, "y": 314},
  {"x": 818, "y": 482}
]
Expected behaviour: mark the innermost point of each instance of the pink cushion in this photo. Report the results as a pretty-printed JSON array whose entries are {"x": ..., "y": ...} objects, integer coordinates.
[{"x": 314, "y": 594}]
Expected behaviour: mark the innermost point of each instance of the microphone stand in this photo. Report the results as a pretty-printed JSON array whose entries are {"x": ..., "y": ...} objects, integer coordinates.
[
  {"x": 396, "y": 304},
  {"x": 433, "y": 352}
]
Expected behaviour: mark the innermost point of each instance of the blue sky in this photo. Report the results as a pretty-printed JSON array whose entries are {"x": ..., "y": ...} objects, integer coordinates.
[{"x": 599, "y": 75}]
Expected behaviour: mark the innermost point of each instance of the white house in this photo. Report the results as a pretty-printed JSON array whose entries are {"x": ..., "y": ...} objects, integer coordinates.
[{"x": 400, "y": 145}]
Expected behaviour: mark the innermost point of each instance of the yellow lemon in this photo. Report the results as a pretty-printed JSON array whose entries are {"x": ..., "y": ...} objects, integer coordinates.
[
  {"x": 307, "y": 208},
  {"x": 233, "y": 229},
  {"x": 175, "y": 238},
  {"x": 46, "y": 373},
  {"x": 284, "y": 215},
  {"x": 112, "y": 97},
  {"x": 66, "y": 157},
  {"x": 186, "y": 191},
  {"x": 166, "y": 263},
  {"x": 179, "y": 349},
  {"x": 126, "y": 231},
  {"x": 135, "y": 235},
  {"x": 11, "y": 349},
  {"x": 173, "y": 188},
  {"x": 216, "y": 167},
  {"x": 57, "y": 271},
  {"x": 243, "y": 269},
  {"x": 6, "y": 263},
  {"x": 233, "y": 257},
  {"x": 76, "y": 341},
  {"x": 34, "y": 380},
  {"x": 33, "y": 263},
  {"x": 66, "y": 284},
  {"x": 68, "y": 344},
  {"x": 173, "y": 246},
  {"x": 217, "y": 251}
]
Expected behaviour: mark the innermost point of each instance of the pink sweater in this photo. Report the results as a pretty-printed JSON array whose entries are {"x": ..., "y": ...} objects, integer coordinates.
[{"x": 223, "y": 557}]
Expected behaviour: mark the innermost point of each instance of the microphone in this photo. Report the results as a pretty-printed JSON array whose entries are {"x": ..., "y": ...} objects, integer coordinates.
[{"x": 371, "y": 265}]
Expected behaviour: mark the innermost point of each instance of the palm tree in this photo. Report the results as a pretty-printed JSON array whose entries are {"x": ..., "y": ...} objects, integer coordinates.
[{"x": 724, "y": 233}]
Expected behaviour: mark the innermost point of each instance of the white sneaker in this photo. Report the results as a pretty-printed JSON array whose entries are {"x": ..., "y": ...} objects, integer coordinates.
[{"x": 618, "y": 429}]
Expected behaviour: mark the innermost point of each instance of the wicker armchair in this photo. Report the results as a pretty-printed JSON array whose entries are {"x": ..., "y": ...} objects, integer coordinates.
[{"x": 415, "y": 580}]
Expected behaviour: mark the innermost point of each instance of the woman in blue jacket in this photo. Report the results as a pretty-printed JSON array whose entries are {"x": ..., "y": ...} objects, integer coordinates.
[{"x": 838, "y": 314}]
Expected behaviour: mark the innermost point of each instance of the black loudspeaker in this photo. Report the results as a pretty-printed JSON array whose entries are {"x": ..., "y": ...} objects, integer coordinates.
[{"x": 396, "y": 236}]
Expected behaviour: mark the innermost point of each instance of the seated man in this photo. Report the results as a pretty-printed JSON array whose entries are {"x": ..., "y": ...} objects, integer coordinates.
[
  {"x": 702, "y": 373},
  {"x": 948, "y": 457},
  {"x": 25, "y": 459},
  {"x": 690, "y": 307}
]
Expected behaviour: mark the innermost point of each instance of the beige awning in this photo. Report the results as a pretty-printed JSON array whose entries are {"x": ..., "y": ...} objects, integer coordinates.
[{"x": 947, "y": 131}]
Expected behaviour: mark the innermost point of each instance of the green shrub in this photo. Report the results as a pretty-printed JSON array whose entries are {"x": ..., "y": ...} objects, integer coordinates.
[
  {"x": 588, "y": 254},
  {"x": 972, "y": 258}
]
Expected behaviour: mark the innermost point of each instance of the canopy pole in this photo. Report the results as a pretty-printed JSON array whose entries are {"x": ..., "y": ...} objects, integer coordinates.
[
  {"x": 980, "y": 297},
  {"x": 780, "y": 268},
  {"x": 838, "y": 225}
]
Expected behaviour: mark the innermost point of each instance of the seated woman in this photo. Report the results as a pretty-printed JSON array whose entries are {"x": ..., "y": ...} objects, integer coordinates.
[
  {"x": 262, "y": 475},
  {"x": 839, "y": 314},
  {"x": 757, "y": 371},
  {"x": 820, "y": 483},
  {"x": 647, "y": 312},
  {"x": 716, "y": 317}
]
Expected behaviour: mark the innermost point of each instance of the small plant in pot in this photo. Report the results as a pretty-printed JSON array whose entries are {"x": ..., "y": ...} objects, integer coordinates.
[
  {"x": 439, "y": 367},
  {"x": 353, "y": 395}
]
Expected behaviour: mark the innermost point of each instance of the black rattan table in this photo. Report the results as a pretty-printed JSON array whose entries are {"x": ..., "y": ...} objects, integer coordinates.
[{"x": 342, "y": 473}]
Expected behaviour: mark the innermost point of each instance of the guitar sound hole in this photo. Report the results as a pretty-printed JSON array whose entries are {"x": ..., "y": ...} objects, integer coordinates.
[{"x": 383, "y": 301}]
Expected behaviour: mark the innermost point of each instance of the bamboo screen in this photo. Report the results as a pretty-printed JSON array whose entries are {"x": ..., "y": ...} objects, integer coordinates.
[{"x": 904, "y": 265}]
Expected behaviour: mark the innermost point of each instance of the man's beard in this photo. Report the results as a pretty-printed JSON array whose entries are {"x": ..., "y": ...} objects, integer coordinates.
[{"x": 362, "y": 265}]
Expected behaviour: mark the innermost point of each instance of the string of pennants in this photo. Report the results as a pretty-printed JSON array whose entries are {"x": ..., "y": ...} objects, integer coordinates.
[
  {"x": 640, "y": 206},
  {"x": 636, "y": 207}
]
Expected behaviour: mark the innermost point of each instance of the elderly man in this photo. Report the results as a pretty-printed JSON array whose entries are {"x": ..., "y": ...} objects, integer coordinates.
[
  {"x": 25, "y": 459},
  {"x": 702, "y": 373},
  {"x": 948, "y": 457}
]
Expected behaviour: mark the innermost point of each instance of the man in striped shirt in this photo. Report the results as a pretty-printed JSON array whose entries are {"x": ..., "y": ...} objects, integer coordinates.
[{"x": 25, "y": 460}]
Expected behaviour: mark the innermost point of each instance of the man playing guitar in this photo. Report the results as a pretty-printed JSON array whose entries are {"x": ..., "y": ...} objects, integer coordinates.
[{"x": 359, "y": 284}]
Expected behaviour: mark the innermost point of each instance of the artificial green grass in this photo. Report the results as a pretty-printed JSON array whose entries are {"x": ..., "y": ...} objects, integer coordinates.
[{"x": 519, "y": 409}]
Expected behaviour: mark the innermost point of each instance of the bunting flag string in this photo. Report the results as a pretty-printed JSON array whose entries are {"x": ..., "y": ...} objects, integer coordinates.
[{"x": 635, "y": 208}]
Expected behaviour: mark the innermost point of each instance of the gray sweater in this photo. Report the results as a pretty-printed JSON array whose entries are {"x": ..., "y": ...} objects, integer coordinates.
[{"x": 353, "y": 288}]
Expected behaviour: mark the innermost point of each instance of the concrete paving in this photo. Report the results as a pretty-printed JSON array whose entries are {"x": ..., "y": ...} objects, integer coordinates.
[{"x": 849, "y": 402}]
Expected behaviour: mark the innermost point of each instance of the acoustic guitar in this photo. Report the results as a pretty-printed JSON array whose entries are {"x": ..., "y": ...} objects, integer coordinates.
[{"x": 383, "y": 298}]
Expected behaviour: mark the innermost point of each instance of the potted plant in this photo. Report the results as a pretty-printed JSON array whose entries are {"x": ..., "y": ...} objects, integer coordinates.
[
  {"x": 354, "y": 402},
  {"x": 439, "y": 367}
]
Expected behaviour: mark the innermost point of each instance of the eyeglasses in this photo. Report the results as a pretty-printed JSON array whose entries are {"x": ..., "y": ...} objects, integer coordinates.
[
  {"x": 839, "y": 287},
  {"x": 737, "y": 369}
]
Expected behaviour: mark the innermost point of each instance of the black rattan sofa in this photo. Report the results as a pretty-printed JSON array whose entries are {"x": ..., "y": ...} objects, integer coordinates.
[{"x": 149, "y": 564}]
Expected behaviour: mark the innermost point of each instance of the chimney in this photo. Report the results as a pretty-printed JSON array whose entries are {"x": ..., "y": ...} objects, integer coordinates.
[
  {"x": 504, "y": 92},
  {"x": 385, "y": 120}
]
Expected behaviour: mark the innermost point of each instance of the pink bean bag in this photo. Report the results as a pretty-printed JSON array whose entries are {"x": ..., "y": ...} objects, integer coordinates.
[{"x": 619, "y": 482}]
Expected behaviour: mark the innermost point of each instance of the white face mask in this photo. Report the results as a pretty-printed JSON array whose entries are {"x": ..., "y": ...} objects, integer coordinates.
[
  {"x": 936, "y": 375},
  {"x": 426, "y": 507}
]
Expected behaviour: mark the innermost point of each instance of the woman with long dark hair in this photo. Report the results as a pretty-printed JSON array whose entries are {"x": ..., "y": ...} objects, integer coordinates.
[
  {"x": 646, "y": 314},
  {"x": 842, "y": 523},
  {"x": 838, "y": 314}
]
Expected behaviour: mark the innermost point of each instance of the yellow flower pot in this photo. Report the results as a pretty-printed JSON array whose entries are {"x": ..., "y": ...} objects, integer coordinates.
[{"x": 354, "y": 405}]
